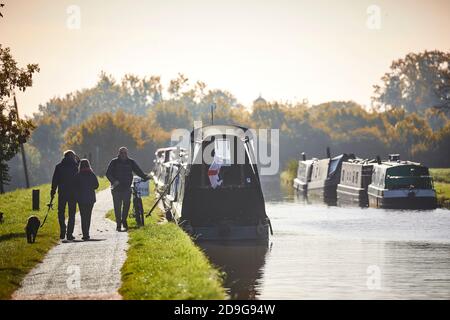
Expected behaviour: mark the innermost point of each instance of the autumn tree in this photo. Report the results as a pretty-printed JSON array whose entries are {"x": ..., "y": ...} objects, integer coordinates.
[
  {"x": 13, "y": 131},
  {"x": 416, "y": 82},
  {"x": 99, "y": 138}
]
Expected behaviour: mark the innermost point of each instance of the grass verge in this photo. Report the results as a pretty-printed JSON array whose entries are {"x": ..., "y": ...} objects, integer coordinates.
[
  {"x": 288, "y": 175},
  {"x": 17, "y": 257},
  {"x": 441, "y": 177},
  {"x": 443, "y": 194},
  {"x": 163, "y": 263}
]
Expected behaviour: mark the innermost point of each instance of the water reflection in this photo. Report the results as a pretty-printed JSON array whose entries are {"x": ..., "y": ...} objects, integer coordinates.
[
  {"x": 242, "y": 264},
  {"x": 328, "y": 252}
]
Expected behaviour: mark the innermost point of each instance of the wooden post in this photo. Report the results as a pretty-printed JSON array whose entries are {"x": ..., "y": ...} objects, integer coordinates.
[{"x": 35, "y": 199}]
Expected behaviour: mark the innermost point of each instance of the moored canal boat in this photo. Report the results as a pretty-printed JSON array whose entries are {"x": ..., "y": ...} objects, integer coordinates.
[
  {"x": 215, "y": 192},
  {"x": 356, "y": 175},
  {"x": 400, "y": 184},
  {"x": 303, "y": 174},
  {"x": 160, "y": 169},
  {"x": 320, "y": 177}
]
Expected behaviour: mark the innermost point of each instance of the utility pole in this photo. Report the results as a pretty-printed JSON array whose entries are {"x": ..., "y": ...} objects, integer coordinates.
[
  {"x": 22, "y": 150},
  {"x": 213, "y": 106}
]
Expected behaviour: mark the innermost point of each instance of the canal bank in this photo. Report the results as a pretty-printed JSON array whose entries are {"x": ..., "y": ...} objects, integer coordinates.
[{"x": 163, "y": 263}]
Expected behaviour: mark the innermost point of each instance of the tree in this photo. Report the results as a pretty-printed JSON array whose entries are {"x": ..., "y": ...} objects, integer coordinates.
[
  {"x": 100, "y": 136},
  {"x": 13, "y": 131},
  {"x": 171, "y": 114},
  {"x": 415, "y": 83}
]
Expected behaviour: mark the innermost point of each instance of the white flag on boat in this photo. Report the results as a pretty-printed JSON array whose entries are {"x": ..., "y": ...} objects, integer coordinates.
[{"x": 213, "y": 172}]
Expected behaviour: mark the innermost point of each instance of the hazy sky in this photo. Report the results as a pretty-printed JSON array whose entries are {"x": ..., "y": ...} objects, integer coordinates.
[{"x": 286, "y": 50}]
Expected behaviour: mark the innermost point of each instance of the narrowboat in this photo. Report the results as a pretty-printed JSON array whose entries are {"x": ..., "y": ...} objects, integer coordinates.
[
  {"x": 303, "y": 174},
  {"x": 214, "y": 192},
  {"x": 164, "y": 157},
  {"x": 356, "y": 175},
  {"x": 320, "y": 177},
  {"x": 400, "y": 184}
]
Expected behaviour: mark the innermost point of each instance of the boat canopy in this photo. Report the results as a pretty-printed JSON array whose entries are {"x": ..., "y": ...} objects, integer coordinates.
[
  {"x": 334, "y": 163},
  {"x": 203, "y": 133}
]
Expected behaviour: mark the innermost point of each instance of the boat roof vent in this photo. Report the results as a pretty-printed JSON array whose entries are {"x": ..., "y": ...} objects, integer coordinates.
[{"x": 394, "y": 157}]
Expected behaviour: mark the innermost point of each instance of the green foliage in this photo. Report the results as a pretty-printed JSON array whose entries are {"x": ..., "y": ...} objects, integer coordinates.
[
  {"x": 441, "y": 175},
  {"x": 443, "y": 194},
  {"x": 13, "y": 131},
  {"x": 290, "y": 172},
  {"x": 416, "y": 83},
  {"x": 171, "y": 114}
]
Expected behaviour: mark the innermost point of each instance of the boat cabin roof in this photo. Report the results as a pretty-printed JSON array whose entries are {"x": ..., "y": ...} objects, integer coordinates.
[
  {"x": 203, "y": 133},
  {"x": 391, "y": 164},
  {"x": 359, "y": 161},
  {"x": 308, "y": 162}
]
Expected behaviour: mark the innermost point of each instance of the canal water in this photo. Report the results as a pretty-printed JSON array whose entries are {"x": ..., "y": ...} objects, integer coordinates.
[{"x": 332, "y": 252}]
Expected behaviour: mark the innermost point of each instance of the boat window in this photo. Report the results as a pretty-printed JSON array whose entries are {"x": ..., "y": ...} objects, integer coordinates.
[
  {"x": 357, "y": 177},
  {"x": 343, "y": 175},
  {"x": 223, "y": 151}
]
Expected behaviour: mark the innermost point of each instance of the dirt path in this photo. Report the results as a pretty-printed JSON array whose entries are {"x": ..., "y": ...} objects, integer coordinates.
[{"x": 81, "y": 270}]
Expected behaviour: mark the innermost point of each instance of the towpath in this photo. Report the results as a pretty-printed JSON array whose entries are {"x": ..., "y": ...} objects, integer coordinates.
[{"x": 79, "y": 269}]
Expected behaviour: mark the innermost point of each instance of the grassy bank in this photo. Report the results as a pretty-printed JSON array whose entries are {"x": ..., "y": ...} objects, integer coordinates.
[
  {"x": 441, "y": 177},
  {"x": 17, "y": 257},
  {"x": 164, "y": 263},
  {"x": 288, "y": 175}
]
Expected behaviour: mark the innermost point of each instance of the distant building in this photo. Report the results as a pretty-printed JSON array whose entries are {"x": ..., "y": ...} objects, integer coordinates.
[{"x": 259, "y": 100}]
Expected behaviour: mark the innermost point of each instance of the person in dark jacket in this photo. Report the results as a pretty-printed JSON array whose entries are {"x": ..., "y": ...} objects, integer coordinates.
[
  {"x": 120, "y": 174},
  {"x": 63, "y": 181},
  {"x": 86, "y": 183}
]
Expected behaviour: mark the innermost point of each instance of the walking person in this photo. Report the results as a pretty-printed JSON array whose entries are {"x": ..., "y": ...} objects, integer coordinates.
[
  {"x": 120, "y": 174},
  {"x": 86, "y": 183},
  {"x": 63, "y": 181}
]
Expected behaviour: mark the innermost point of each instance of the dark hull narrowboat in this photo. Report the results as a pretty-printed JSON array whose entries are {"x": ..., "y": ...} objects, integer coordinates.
[
  {"x": 325, "y": 177},
  {"x": 356, "y": 175},
  {"x": 401, "y": 185},
  {"x": 217, "y": 194}
]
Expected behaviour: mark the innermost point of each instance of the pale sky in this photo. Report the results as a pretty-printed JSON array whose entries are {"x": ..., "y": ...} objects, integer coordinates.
[{"x": 284, "y": 49}]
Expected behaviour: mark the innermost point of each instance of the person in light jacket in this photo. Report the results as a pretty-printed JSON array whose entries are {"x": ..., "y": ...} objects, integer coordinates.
[{"x": 86, "y": 183}]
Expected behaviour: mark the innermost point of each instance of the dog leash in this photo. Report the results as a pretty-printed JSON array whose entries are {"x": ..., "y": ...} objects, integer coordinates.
[{"x": 50, "y": 206}]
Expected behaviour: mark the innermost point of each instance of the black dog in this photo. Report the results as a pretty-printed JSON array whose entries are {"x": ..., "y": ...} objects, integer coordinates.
[
  {"x": 32, "y": 228},
  {"x": 1, "y": 217}
]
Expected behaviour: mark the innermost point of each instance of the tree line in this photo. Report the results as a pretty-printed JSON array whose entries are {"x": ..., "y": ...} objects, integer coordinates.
[{"x": 410, "y": 116}]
